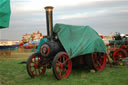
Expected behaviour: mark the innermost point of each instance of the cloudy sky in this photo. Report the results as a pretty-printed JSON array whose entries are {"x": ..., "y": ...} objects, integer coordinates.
[{"x": 105, "y": 16}]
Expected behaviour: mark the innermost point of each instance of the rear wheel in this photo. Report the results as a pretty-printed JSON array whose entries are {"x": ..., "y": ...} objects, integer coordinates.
[
  {"x": 62, "y": 65},
  {"x": 34, "y": 67},
  {"x": 96, "y": 61}
]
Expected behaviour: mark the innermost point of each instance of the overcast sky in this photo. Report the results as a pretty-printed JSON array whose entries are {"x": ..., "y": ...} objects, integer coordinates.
[{"x": 28, "y": 16}]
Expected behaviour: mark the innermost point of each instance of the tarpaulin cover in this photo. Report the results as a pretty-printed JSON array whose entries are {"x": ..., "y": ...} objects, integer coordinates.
[
  {"x": 79, "y": 40},
  {"x": 4, "y": 13}
]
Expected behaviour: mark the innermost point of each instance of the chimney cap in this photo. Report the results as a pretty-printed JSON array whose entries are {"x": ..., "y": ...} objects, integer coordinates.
[{"x": 48, "y": 8}]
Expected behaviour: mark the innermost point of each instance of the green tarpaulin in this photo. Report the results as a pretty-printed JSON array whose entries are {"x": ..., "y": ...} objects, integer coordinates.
[
  {"x": 79, "y": 40},
  {"x": 4, "y": 13}
]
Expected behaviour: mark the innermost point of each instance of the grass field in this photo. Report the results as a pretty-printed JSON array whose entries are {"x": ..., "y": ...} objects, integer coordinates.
[{"x": 13, "y": 73}]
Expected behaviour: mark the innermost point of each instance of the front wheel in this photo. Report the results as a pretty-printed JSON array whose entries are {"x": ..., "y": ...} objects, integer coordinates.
[
  {"x": 34, "y": 66},
  {"x": 62, "y": 65}
]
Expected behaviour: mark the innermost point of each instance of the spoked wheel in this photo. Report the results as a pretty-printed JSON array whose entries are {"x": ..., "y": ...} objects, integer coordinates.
[
  {"x": 34, "y": 67},
  {"x": 96, "y": 61},
  {"x": 62, "y": 66},
  {"x": 118, "y": 54}
]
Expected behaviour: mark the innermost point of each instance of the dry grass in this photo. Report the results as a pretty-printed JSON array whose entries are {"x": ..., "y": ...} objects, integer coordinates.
[{"x": 16, "y": 56}]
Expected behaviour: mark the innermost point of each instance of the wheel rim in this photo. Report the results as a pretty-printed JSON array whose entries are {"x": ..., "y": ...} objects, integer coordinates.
[
  {"x": 99, "y": 61},
  {"x": 117, "y": 56},
  {"x": 35, "y": 68},
  {"x": 63, "y": 66}
]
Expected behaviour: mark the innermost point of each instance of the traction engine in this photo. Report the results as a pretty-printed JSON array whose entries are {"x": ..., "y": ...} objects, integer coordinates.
[{"x": 53, "y": 55}]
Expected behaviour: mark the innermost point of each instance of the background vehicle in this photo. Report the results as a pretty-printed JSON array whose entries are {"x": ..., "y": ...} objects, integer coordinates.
[{"x": 118, "y": 47}]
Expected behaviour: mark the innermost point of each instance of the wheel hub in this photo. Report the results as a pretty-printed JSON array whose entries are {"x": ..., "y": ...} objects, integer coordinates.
[
  {"x": 120, "y": 55},
  {"x": 61, "y": 66},
  {"x": 36, "y": 65},
  {"x": 45, "y": 50}
]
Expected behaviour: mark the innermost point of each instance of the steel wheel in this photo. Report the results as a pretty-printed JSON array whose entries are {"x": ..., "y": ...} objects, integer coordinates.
[
  {"x": 99, "y": 61},
  {"x": 62, "y": 66},
  {"x": 96, "y": 61},
  {"x": 119, "y": 54},
  {"x": 34, "y": 67}
]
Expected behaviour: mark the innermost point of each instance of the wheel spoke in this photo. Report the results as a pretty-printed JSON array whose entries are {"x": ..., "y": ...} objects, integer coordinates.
[
  {"x": 39, "y": 71},
  {"x": 35, "y": 72},
  {"x": 33, "y": 60},
  {"x": 32, "y": 69},
  {"x": 58, "y": 61},
  {"x": 60, "y": 72},
  {"x": 31, "y": 64},
  {"x": 99, "y": 64},
  {"x": 101, "y": 60},
  {"x": 63, "y": 59}
]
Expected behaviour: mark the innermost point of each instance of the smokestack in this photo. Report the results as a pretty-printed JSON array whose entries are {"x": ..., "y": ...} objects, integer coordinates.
[{"x": 49, "y": 20}]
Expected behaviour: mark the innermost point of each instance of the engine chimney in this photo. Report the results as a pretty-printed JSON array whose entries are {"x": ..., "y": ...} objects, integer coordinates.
[{"x": 49, "y": 20}]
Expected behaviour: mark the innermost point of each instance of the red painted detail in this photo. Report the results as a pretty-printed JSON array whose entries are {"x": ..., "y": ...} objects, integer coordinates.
[
  {"x": 101, "y": 36},
  {"x": 122, "y": 47},
  {"x": 45, "y": 50},
  {"x": 63, "y": 66},
  {"x": 35, "y": 67},
  {"x": 99, "y": 61}
]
